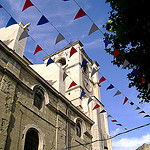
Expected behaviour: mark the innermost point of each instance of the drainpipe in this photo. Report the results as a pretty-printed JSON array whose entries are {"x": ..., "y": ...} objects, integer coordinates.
[{"x": 67, "y": 130}]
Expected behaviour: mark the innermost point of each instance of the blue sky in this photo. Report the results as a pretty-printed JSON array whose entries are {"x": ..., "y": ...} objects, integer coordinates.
[{"x": 61, "y": 14}]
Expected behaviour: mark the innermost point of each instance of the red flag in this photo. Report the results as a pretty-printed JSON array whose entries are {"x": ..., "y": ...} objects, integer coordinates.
[
  {"x": 125, "y": 100},
  {"x": 1, "y": 6},
  {"x": 38, "y": 48},
  {"x": 72, "y": 84},
  {"x": 27, "y": 4},
  {"x": 141, "y": 112},
  {"x": 116, "y": 53},
  {"x": 101, "y": 80},
  {"x": 114, "y": 120},
  {"x": 143, "y": 79},
  {"x": 80, "y": 13},
  {"x": 96, "y": 106},
  {"x": 73, "y": 50}
]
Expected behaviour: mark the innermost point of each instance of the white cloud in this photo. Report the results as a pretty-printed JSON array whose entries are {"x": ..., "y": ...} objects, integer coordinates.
[
  {"x": 130, "y": 143},
  {"x": 94, "y": 43},
  {"x": 112, "y": 133}
]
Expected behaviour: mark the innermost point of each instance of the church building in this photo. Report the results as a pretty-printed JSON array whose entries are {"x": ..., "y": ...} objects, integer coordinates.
[{"x": 41, "y": 105}]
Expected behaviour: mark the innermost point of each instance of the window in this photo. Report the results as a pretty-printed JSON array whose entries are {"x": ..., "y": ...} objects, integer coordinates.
[
  {"x": 78, "y": 129},
  {"x": 31, "y": 140},
  {"x": 38, "y": 97},
  {"x": 62, "y": 61}
]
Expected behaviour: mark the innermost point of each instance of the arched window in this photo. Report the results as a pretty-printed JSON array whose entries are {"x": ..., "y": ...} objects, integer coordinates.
[
  {"x": 78, "y": 129},
  {"x": 38, "y": 97},
  {"x": 62, "y": 61},
  {"x": 31, "y": 140}
]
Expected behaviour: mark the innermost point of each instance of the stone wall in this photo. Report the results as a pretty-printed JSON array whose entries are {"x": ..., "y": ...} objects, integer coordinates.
[{"x": 55, "y": 122}]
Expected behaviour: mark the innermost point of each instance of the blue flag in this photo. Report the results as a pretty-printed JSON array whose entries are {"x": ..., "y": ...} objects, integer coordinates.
[
  {"x": 84, "y": 62},
  {"x": 43, "y": 20},
  {"x": 103, "y": 111},
  {"x": 11, "y": 22},
  {"x": 49, "y": 61},
  {"x": 82, "y": 94},
  {"x": 106, "y": 42},
  {"x": 134, "y": 71},
  {"x": 110, "y": 87}
]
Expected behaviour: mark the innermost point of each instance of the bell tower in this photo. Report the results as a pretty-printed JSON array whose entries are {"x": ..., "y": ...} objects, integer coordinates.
[{"x": 71, "y": 63}]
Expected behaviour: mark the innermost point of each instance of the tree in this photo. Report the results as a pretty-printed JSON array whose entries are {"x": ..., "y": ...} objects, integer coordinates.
[{"x": 129, "y": 33}]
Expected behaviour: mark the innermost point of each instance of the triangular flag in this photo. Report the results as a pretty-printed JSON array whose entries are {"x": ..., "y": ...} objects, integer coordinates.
[
  {"x": 23, "y": 35},
  {"x": 146, "y": 116},
  {"x": 119, "y": 124},
  {"x": 80, "y": 13},
  {"x": 125, "y": 128},
  {"x": 109, "y": 116},
  {"x": 64, "y": 76},
  {"x": 103, "y": 111},
  {"x": 84, "y": 62},
  {"x": 106, "y": 42},
  {"x": 11, "y": 22},
  {"x": 134, "y": 71},
  {"x": 59, "y": 38},
  {"x": 73, "y": 50},
  {"x": 72, "y": 84},
  {"x": 101, "y": 80},
  {"x": 110, "y": 87},
  {"x": 43, "y": 20},
  {"x": 137, "y": 108},
  {"x": 125, "y": 64},
  {"x": 93, "y": 72},
  {"x": 105, "y": 147},
  {"x": 82, "y": 94},
  {"x": 49, "y": 62},
  {"x": 1, "y": 6},
  {"x": 141, "y": 112},
  {"x": 117, "y": 93},
  {"x": 125, "y": 100},
  {"x": 90, "y": 99},
  {"x": 143, "y": 80},
  {"x": 114, "y": 120},
  {"x": 148, "y": 86},
  {"x": 38, "y": 48},
  {"x": 116, "y": 53},
  {"x": 65, "y": 0},
  {"x": 96, "y": 106},
  {"x": 93, "y": 29},
  {"x": 27, "y": 4},
  {"x": 132, "y": 103}
]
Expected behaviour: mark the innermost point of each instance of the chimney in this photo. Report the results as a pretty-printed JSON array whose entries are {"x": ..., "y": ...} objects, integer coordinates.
[{"x": 11, "y": 37}]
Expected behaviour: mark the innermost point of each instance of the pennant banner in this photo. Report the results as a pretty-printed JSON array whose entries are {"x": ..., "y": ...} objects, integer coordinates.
[
  {"x": 114, "y": 120},
  {"x": 59, "y": 38},
  {"x": 117, "y": 93},
  {"x": 96, "y": 106},
  {"x": 109, "y": 116},
  {"x": 106, "y": 42},
  {"x": 132, "y": 103},
  {"x": 134, "y": 71},
  {"x": 101, "y": 80},
  {"x": 110, "y": 87},
  {"x": 1, "y": 6},
  {"x": 49, "y": 62},
  {"x": 43, "y": 20},
  {"x": 73, "y": 50},
  {"x": 38, "y": 48},
  {"x": 82, "y": 94},
  {"x": 64, "y": 76},
  {"x": 116, "y": 53},
  {"x": 126, "y": 63},
  {"x": 125, "y": 100},
  {"x": 23, "y": 35},
  {"x": 146, "y": 116},
  {"x": 119, "y": 124},
  {"x": 80, "y": 13},
  {"x": 137, "y": 108},
  {"x": 103, "y": 111},
  {"x": 27, "y": 4},
  {"x": 11, "y": 22},
  {"x": 93, "y": 29},
  {"x": 141, "y": 112},
  {"x": 143, "y": 80},
  {"x": 90, "y": 99},
  {"x": 84, "y": 62},
  {"x": 93, "y": 72},
  {"x": 72, "y": 84}
]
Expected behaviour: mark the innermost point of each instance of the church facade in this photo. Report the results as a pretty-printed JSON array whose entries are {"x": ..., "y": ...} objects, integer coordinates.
[{"x": 39, "y": 110}]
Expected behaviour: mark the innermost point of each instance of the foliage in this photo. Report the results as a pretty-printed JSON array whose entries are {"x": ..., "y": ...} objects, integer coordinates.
[{"x": 129, "y": 32}]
